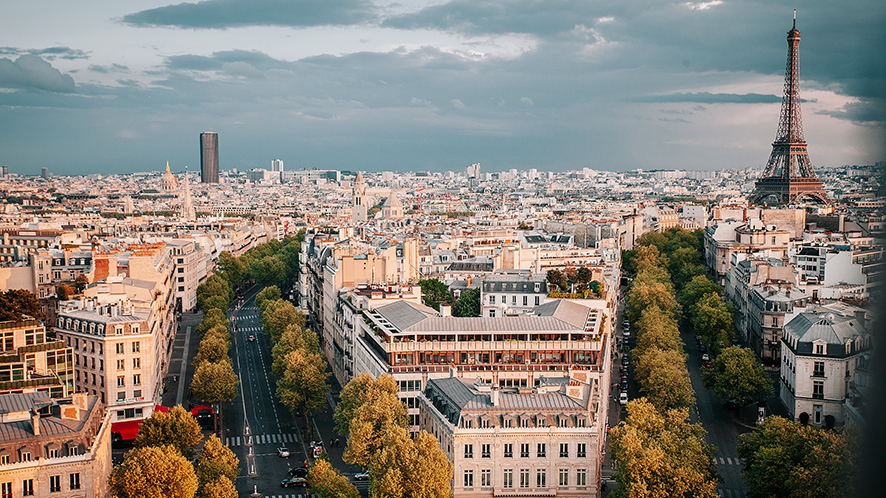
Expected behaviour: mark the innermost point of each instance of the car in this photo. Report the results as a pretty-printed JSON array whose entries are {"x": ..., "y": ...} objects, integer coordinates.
[
  {"x": 251, "y": 338},
  {"x": 705, "y": 357},
  {"x": 627, "y": 333},
  {"x": 294, "y": 482},
  {"x": 298, "y": 472},
  {"x": 283, "y": 452},
  {"x": 623, "y": 398},
  {"x": 703, "y": 348},
  {"x": 362, "y": 476}
]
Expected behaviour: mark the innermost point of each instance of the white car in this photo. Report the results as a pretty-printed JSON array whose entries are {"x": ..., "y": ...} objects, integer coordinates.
[
  {"x": 283, "y": 452},
  {"x": 623, "y": 398}
]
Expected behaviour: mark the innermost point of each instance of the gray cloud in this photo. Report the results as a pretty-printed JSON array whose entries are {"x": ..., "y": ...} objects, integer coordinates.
[
  {"x": 30, "y": 71},
  {"x": 222, "y": 14},
  {"x": 49, "y": 53},
  {"x": 712, "y": 98}
]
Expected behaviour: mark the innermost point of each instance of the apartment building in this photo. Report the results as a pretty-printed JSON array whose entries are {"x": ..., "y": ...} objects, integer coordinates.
[
  {"x": 540, "y": 440},
  {"x": 33, "y": 364},
  {"x": 54, "y": 447},
  {"x": 770, "y": 306},
  {"x": 722, "y": 240},
  {"x": 511, "y": 294},
  {"x": 120, "y": 344},
  {"x": 749, "y": 270},
  {"x": 823, "y": 352},
  {"x": 189, "y": 271},
  {"x": 415, "y": 344}
]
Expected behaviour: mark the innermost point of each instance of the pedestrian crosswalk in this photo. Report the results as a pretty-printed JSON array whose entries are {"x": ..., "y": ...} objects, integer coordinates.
[
  {"x": 292, "y": 496},
  {"x": 726, "y": 460},
  {"x": 261, "y": 439},
  {"x": 731, "y": 493},
  {"x": 250, "y": 329}
]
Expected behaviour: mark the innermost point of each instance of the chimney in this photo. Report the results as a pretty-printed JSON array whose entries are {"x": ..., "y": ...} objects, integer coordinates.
[
  {"x": 860, "y": 317},
  {"x": 841, "y": 227},
  {"x": 35, "y": 422},
  {"x": 445, "y": 310},
  {"x": 493, "y": 396}
]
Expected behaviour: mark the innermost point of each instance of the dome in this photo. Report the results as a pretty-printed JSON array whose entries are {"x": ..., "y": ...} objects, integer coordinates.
[{"x": 169, "y": 182}]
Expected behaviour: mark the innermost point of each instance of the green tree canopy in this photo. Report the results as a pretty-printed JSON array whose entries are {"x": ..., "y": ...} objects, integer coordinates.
[
  {"x": 434, "y": 293},
  {"x": 214, "y": 348},
  {"x": 266, "y": 296},
  {"x": 232, "y": 268},
  {"x": 694, "y": 290},
  {"x": 735, "y": 374},
  {"x": 468, "y": 303},
  {"x": 214, "y": 287},
  {"x": 269, "y": 270},
  {"x": 786, "y": 459},
  {"x": 326, "y": 482},
  {"x": 362, "y": 390},
  {"x": 153, "y": 472},
  {"x": 214, "y": 382},
  {"x": 657, "y": 329},
  {"x": 212, "y": 318},
  {"x": 660, "y": 454},
  {"x": 216, "y": 461},
  {"x": 176, "y": 428},
  {"x": 643, "y": 295},
  {"x": 278, "y": 315},
  {"x": 557, "y": 280},
  {"x": 303, "y": 385},
  {"x": 713, "y": 321},
  {"x": 663, "y": 377}
]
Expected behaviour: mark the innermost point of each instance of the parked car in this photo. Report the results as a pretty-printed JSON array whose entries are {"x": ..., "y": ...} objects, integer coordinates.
[
  {"x": 283, "y": 452},
  {"x": 294, "y": 482},
  {"x": 627, "y": 334},
  {"x": 623, "y": 398},
  {"x": 705, "y": 357},
  {"x": 298, "y": 472},
  {"x": 362, "y": 476}
]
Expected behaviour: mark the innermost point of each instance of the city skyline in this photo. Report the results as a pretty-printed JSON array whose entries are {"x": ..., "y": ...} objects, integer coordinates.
[{"x": 432, "y": 86}]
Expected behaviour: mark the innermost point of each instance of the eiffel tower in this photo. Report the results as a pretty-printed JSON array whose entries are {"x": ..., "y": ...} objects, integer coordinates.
[{"x": 789, "y": 176}]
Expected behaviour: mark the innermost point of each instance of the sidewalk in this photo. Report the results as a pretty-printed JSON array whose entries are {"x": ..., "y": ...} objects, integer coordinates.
[
  {"x": 177, "y": 393},
  {"x": 324, "y": 423}
]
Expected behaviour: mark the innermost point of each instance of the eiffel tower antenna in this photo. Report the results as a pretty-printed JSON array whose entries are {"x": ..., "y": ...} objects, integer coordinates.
[{"x": 789, "y": 175}]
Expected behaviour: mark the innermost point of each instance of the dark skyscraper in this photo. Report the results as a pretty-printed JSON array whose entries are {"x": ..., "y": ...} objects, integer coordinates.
[{"x": 209, "y": 157}]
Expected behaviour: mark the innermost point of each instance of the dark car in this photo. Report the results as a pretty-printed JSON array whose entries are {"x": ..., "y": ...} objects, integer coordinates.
[
  {"x": 298, "y": 472},
  {"x": 294, "y": 482}
]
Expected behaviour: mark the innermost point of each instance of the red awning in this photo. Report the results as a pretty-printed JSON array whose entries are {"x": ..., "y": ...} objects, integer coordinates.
[
  {"x": 196, "y": 410},
  {"x": 127, "y": 429},
  {"x": 161, "y": 408}
]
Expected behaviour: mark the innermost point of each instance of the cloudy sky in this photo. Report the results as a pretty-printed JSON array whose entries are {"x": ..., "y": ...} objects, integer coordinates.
[{"x": 121, "y": 86}]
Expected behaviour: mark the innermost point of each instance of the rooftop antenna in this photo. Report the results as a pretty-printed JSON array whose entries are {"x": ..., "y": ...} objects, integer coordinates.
[{"x": 795, "y": 18}]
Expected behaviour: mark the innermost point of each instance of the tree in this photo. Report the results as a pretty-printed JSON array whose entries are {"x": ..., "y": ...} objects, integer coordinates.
[
  {"x": 583, "y": 277},
  {"x": 434, "y": 293},
  {"x": 15, "y": 304},
  {"x": 278, "y": 315},
  {"x": 293, "y": 338},
  {"x": 303, "y": 385},
  {"x": 694, "y": 290},
  {"x": 657, "y": 329},
  {"x": 786, "y": 459},
  {"x": 232, "y": 268},
  {"x": 215, "y": 291},
  {"x": 214, "y": 382},
  {"x": 81, "y": 282},
  {"x": 214, "y": 348},
  {"x": 663, "y": 377},
  {"x": 660, "y": 454},
  {"x": 429, "y": 472},
  {"x": 468, "y": 303},
  {"x": 362, "y": 390},
  {"x": 713, "y": 321},
  {"x": 643, "y": 295},
  {"x": 266, "y": 296},
  {"x": 212, "y": 318},
  {"x": 735, "y": 375},
  {"x": 153, "y": 472},
  {"x": 216, "y": 461},
  {"x": 557, "y": 279},
  {"x": 684, "y": 264},
  {"x": 649, "y": 257},
  {"x": 269, "y": 270},
  {"x": 407, "y": 468},
  {"x": 219, "y": 488},
  {"x": 176, "y": 428},
  {"x": 64, "y": 291},
  {"x": 326, "y": 482}
]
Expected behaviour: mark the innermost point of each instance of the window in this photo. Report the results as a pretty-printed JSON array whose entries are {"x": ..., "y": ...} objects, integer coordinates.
[
  {"x": 818, "y": 390},
  {"x": 485, "y": 478},
  {"x": 524, "y": 422},
  {"x": 121, "y": 364},
  {"x": 508, "y": 423},
  {"x": 492, "y": 313},
  {"x": 6, "y": 490},
  {"x": 55, "y": 484},
  {"x": 469, "y": 478},
  {"x": 4, "y": 459},
  {"x": 136, "y": 346},
  {"x": 75, "y": 480},
  {"x": 582, "y": 450},
  {"x": 564, "y": 450},
  {"x": 137, "y": 380},
  {"x": 524, "y": 478},
  {"x": 93, "y": 379},
  {"x": 118, "y": 348},
  {"x": 508, "y": 480},
  {"x": 101, "y": 381},
  {"x": 537, "y": 300},
  {"x": 93, "y": 362},
  {"x": 484, "y": 450},
  {"x": 564, "y": 477},
  {"x": 581, "y": 477},
  {"x": 469, "y": 451},
  {"x": 514, "y": 300},
  {"x": 491, "y": 299},
  {"x": 121, "y": 381},
  {"x": 818, "y": 369},
  {"x": 137, "y": 393},
  {"x": 121, "y": 395},
  {"x": 542, "y": 449},
  {"x": 541, "y": 478},
  {"x": 525, "y": 300},
  {"x": 52, "y": 453},
  {"x": 819, "y": 349},
  {"x": 136, "y": 363},
  {"x": 563, "y": 422},
  {"x": 467, "y": 423},
  {"x": 509, "y": 450},
  {"x": 580, "y": 421},
  {"x": 524, "y": 450},
  {"x": 484, "y": 423},
  {"x": 28, "y": 487}
]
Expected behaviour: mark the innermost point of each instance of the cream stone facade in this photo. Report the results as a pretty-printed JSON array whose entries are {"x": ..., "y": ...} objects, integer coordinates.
[{"x": 54, "y": 447}]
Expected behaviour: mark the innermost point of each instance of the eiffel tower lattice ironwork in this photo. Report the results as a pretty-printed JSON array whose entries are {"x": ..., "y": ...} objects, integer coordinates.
[{"x": 789, "y": 175}]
